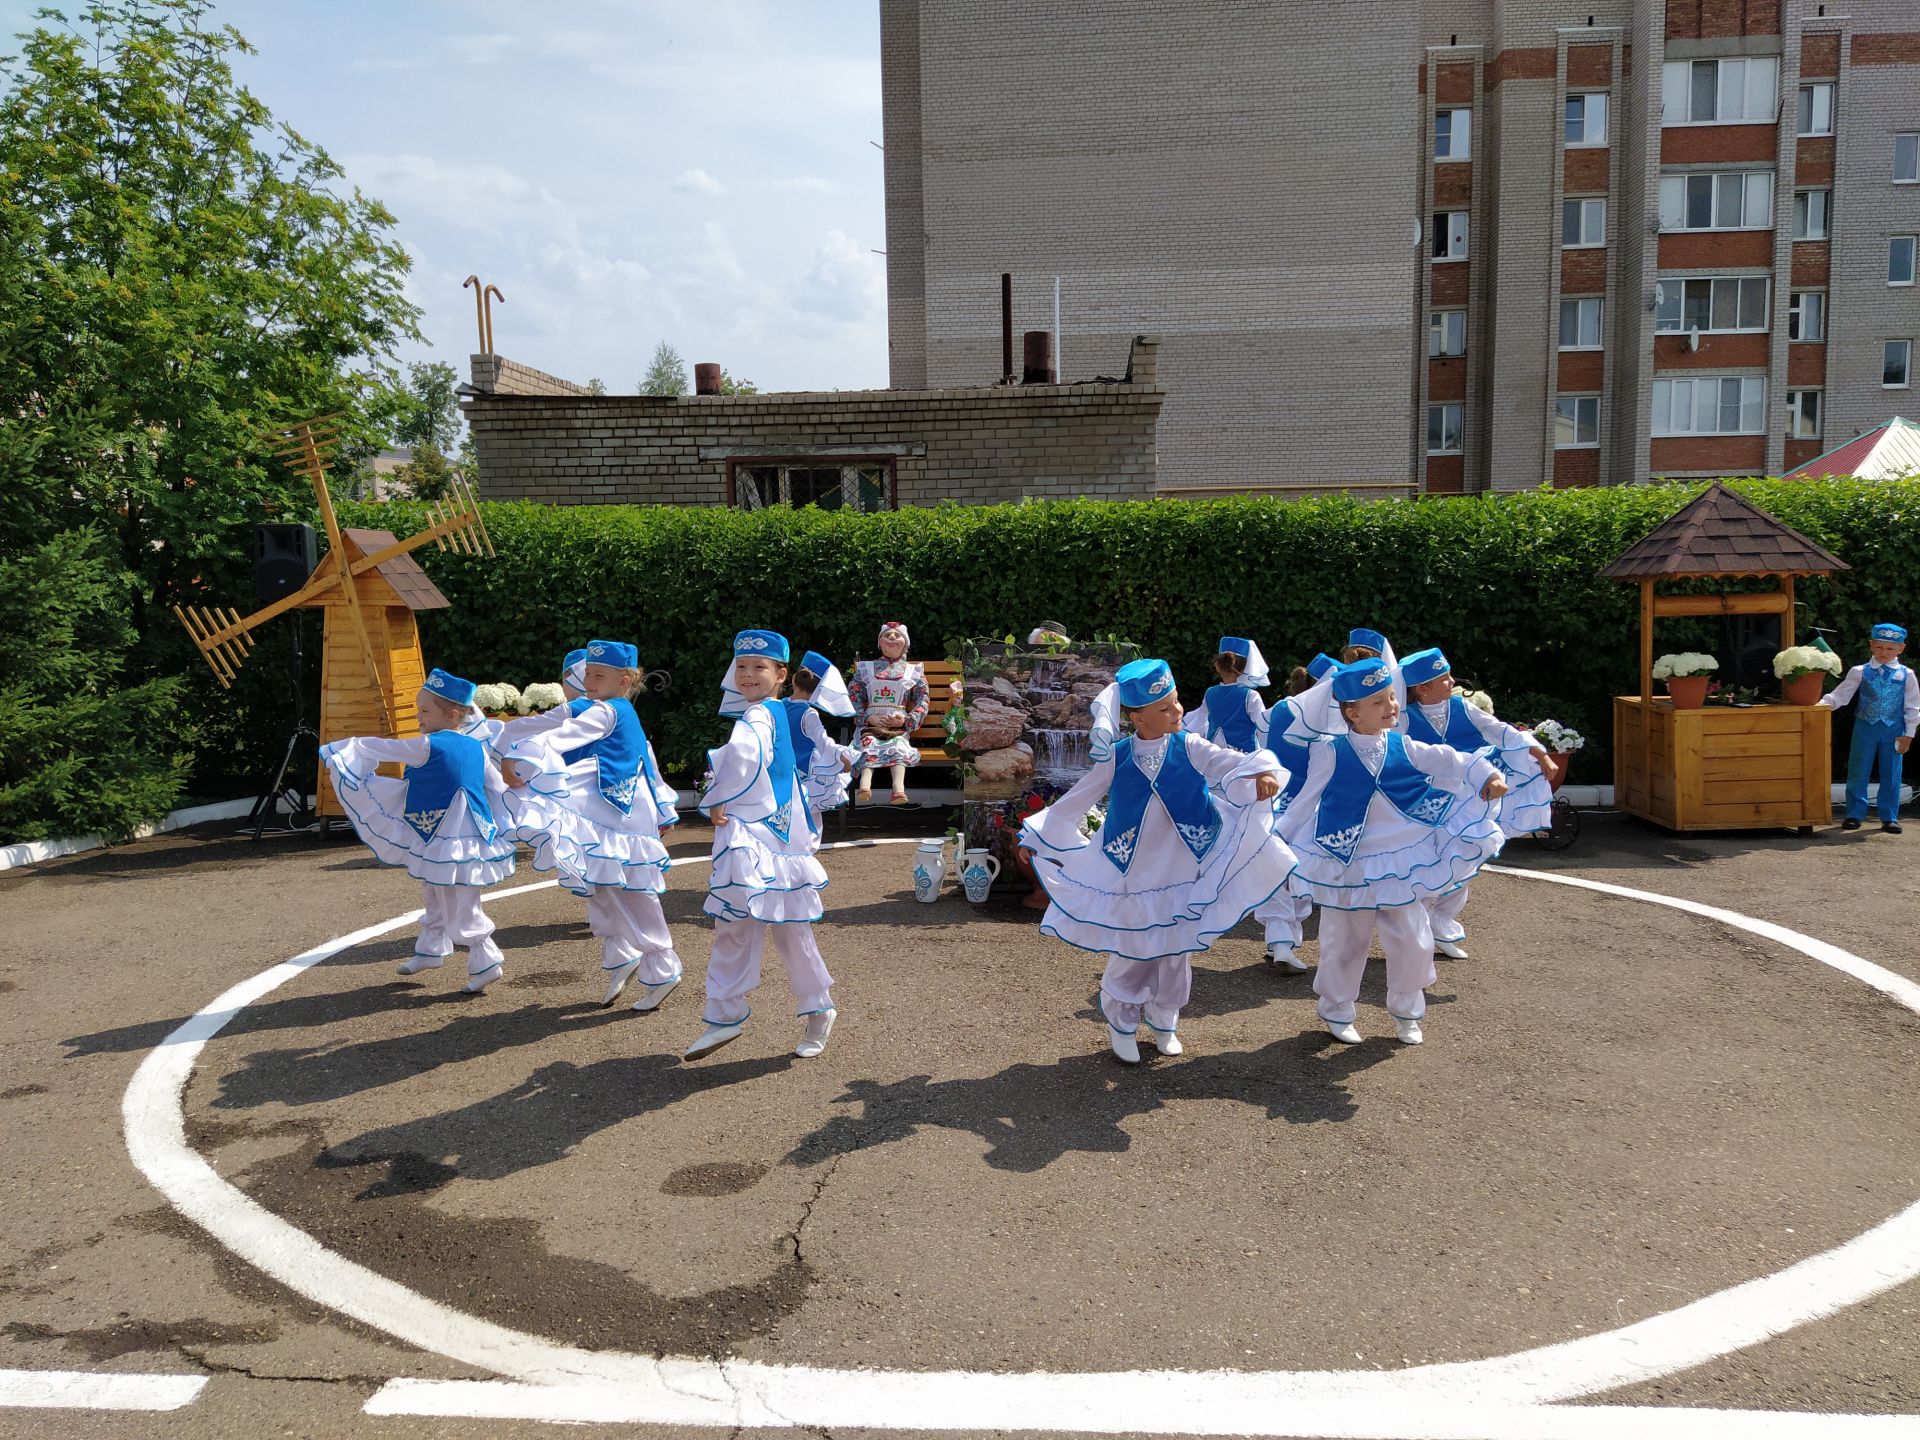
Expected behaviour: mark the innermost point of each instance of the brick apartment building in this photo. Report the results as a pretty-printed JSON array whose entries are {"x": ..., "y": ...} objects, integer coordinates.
[{"x": 1439, "y": 245}]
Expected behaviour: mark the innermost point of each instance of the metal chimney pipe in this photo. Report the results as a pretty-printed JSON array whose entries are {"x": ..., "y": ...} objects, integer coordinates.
[
  {"x": 1037, "y": 355},
  {"x": 706, "y": 378},
  {"x": 1006, "y": 328}
]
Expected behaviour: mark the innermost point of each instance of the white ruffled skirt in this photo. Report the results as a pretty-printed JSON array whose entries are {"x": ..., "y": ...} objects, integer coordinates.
[
  {"x": 458, "y": 854},
  {"x": 590, "y": 844},
  {"x": 1401, "y": 862},
  {"x": 757, "y": 876},
  {"x": 1528, "y": 805},
  {"x": 1161, "y": 907}
]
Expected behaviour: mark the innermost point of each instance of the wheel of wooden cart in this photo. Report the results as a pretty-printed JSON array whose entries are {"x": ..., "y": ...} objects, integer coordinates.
[{"x": 1564, "y": 828}]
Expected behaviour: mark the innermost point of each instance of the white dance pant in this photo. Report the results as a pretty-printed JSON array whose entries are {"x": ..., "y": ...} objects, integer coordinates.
[
  {"x": 1284, "y": 916},
  {"x": 733, "y": 970},
  {"x": 1406, "y": 939},
  {"x": 1150, "y": 989},
  {"x": 630, "y": 925},
  {"x": 1444, "y": 912},
  {"x": 455, "y": 918}
]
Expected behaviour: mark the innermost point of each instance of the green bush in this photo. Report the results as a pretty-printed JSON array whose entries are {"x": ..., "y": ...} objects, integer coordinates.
[{"x": 1508, "y": 585}]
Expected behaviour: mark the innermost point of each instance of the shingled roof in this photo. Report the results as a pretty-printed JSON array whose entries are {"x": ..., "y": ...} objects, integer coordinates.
[
  {"x": 402, "y": 573},
  {"x": 1722, "y": 534}
]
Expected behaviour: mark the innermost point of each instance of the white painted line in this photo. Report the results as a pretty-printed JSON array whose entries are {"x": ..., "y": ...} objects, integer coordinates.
[
  {"x": 954, "y": 1402},
  {"x": 77, "y": 1390},
  {"x": 705, "y": 1392}
]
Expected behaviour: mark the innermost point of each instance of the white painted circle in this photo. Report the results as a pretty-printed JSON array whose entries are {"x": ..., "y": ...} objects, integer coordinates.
[{"x": 590, "y": 1385}]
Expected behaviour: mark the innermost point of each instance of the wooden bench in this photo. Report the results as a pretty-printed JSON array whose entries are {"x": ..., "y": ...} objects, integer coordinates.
[{"x": 930, "y": 740}]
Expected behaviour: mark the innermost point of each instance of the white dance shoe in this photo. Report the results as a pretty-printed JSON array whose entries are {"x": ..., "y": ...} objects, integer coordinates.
[
  {"x": 814, "y": 1039},
  {"x": 712, "y": 1038},
  {"x": 416, "y": 963},
  {"x": 617, "y": 977},
  {"x": 1408, "y": 1031},
  {"x": 1343, "y": 1031},
  {"x": 478, "y": 983},
  {"x": 1126, "y": 1048},
  {"x": 652, "y": 995},
  {"x": 1165, "y": 1041},
  {"x": 1280, "y": 954}
]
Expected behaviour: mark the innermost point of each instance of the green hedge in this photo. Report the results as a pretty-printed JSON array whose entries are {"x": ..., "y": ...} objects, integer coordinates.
[{"x": 1507, "y": 584}]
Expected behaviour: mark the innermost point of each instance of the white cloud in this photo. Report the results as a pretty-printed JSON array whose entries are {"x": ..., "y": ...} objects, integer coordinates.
[
  {"x": 811, "y": 184},
  {"x": 476, "y": 195},
  {"x": 846, "y": 283},
  {"x": 698, "y": 181}
]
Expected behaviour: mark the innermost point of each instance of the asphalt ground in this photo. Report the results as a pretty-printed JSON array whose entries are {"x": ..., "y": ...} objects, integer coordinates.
[{"x": 1619, "y": 1108}]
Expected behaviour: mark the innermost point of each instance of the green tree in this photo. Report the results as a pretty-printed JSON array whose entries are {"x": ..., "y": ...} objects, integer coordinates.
[
  {"x": 429, "y": 407},
  {"x": 731, "y": 386},
  {"x": 667, "y": 375},
  {"x": 429, "y": 475},
  {"x": 596, "y": 386},
  {"x": 181, "y": 275}
]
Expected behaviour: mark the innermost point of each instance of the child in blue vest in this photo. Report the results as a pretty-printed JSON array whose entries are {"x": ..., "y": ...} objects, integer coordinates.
[
  {"x": 602, "y": 808},
  {"x": 1437, "y": 715},
  {"x": 764, "y": 871},
  {"x": 1232, "y": 713},
  {"x": 446, "y": 819},
  {"x": 1185, "y": 851},
  {"x": 1382, "y": 825},
  {"x": 1883, "y": 724},
  {"x": 1288, "y": 732},
  {"x": 823, "y": 764}
]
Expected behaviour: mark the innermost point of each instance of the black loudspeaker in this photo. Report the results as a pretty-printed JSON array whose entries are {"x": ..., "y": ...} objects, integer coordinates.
[
  {"x": 1747, "y": 647},
  {"x": 283, "y": 558}
]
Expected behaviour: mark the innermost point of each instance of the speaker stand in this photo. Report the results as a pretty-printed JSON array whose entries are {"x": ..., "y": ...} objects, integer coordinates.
[{"x": 300, "y": 814}]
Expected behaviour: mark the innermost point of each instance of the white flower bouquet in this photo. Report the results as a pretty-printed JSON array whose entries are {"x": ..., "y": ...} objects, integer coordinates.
[
  {"x": 1798, "y": 660},
  {"x": 1686, "y": 663},
  {"x": 496, "y": 698},
  {"x": 542, "y": 695},
  {"x": 1558, "y": 738}
]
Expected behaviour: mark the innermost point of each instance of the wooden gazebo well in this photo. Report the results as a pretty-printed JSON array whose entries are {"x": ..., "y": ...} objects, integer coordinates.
[{"x": 1721, "y": 768}]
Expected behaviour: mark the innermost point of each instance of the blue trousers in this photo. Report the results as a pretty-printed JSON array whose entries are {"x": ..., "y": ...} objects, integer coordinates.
[{"x": 1871, "y": 744}]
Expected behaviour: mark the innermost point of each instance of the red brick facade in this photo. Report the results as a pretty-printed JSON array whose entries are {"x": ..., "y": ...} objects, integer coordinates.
[
  {"x": 1711, "y": 454},
  {"x": 1700, "y": 144},
  {"x": 1716, "y": 352},
  {"x": 1716, "y": 249},
  {"x": 1575, "y": 468}
]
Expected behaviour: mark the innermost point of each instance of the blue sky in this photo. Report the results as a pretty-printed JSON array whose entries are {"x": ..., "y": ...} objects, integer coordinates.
[{"x": 625, "y": 171}]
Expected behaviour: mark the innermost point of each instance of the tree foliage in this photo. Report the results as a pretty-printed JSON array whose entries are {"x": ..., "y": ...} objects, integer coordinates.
[
  {"x": 182, "y": 274},
  {"x": 667, "y": 374},
  {"x": 428, "y": 409}
]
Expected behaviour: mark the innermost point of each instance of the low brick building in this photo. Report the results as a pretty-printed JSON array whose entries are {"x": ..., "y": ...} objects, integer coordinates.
[{"x": 538, "y": 437}]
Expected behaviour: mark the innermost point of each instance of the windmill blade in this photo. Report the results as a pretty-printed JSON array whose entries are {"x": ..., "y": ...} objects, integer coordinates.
[{"x": 221, "y": 638}]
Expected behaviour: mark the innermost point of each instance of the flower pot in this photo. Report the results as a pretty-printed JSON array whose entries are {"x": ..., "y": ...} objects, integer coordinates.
[
  {"x": 1802, "y": 689},
  {"x": 1037, "y": 897},
  {"x": 1561, "y": 759},
  {"x": 1689, "y": 692}
]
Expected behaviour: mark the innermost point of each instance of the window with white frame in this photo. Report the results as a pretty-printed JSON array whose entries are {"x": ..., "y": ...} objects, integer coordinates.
[
  {"x": 1450, "y": 235},
  {"x": 1443, "y": 428},
  {"x": 1452, "y": 134},
  {"x": 1807, "y": 315},
  {"x": 1586, "y": 119},
  {"x": 1906, "y": 159},
  {"x": 1896, "y": 364},
  {"x": 1580, "y": 324},
  {"x": 1900, "y": 260},
  {"x": 1717, "y": 200},
  {"x": 1816, "y": 108},
  {"x": 1810, "y": 214},
  {"x": 1710, "y": 405},
  {"x": 1576, "y": 422},
  {"x": 1447, "y": 334},
  {"x": 1719, "y": 92},
  {"x": 1714, "y": 305},
  {"x": 1583, "y": 223},
  {"x": 1803, "y": 414}
]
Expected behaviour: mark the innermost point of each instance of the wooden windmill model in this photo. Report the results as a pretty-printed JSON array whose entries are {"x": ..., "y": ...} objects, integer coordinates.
[{"x": 369, "y": 586}]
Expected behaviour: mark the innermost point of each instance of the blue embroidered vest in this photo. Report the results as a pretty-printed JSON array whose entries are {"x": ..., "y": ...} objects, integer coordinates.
[
  {"x": 1883, "y": 696},
  {"x": 1342, "y": 818},
  {"x": 802, "y": 742},
  {"x": 1183, "y": 794},
  {"x": 1460, "y": 733},
  {"x": 621, "y": 754},
  {"x": 780, "y": 772},
  {"x": 1227, "y": 719},
  {"x": 456, "y": 765}
]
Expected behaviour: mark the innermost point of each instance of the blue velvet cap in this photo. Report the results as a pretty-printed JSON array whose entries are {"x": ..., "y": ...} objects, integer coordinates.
[
  {"x": 574, "y": 657},
  {"x": 1422, "y": 666},
  {"x": 1372, "y": 639},
  {"x": 765, "y": 644},
  {"x": 451, "y": 688},
  {"x": 816, "y": 662},
  {"x": 616, "y": 653},
  {"x": 1235, "y": 645},
  {"x": 1360, "y": 679},
  {"x": 1887, "y": 630},
  {"x": 1320, "y": 664},
  {"x": 1144, "y": 682}
]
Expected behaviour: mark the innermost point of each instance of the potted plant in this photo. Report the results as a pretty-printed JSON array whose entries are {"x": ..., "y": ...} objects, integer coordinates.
[
  {"x": 541, "y": 696},
  {"x": 498, "y": 700},
  {"x": 1687, "y": 675},
  {"x": 1561, "y": 742},
  {"x": 1802, "y": 670}
]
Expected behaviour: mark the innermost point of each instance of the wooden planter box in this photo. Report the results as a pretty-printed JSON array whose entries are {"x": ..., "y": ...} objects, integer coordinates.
[{"x": 1720, "y": 768}]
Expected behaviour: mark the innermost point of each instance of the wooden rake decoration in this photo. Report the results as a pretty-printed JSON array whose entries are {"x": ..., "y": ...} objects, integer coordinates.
[{"x": 225, "y": 638}]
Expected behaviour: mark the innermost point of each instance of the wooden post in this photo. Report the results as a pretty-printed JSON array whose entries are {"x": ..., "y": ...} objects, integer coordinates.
[
  {"x": 1646, "y": 641},
  {"x": 349, "y": 586},
  {"x": 1786, "y": 613}
]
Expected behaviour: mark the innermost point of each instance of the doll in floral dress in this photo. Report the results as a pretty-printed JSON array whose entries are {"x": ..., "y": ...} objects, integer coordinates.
[{"x": 890, "y": 697}]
